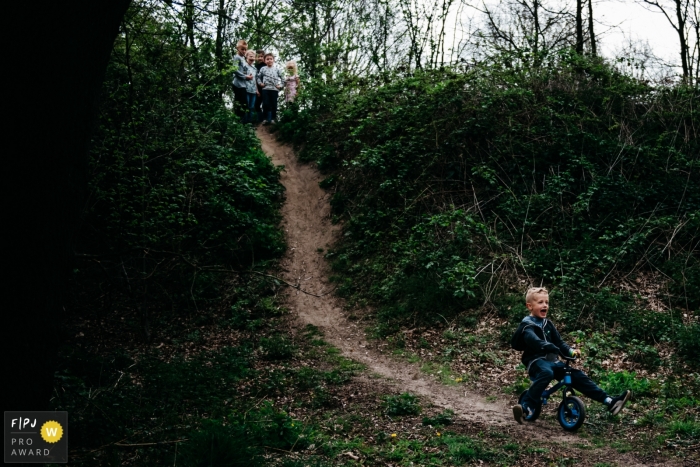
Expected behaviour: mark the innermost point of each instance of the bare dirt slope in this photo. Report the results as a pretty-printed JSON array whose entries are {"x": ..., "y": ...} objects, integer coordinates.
[{"x": 308, "y": 229}]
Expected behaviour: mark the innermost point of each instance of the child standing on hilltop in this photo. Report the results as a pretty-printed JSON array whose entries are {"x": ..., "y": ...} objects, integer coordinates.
[
  {"x": 252, "y": 92},
  {"x": 291, "y": 82},
  {"x": 240, "y": 78},
  {"x": 259, "y": 63},
  {"x": 271, "y": 80},
  {"x": 541, "y": 345}
]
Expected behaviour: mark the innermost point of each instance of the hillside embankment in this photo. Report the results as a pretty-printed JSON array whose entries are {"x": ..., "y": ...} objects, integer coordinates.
[{"x": 310, "y": 233}]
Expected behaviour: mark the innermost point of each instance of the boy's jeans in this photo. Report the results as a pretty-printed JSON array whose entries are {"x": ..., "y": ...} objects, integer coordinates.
[
  {"x": 542, "y": 372},
  {"x": 270, "y": 104},
  {"x": 240, "y": 101},
  {"x": 258, "y": 105},
  {"x": 248, "y": 117}
]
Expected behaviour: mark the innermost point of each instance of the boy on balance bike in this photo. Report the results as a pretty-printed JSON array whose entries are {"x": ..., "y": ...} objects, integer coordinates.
[{"x": 541, "y": 345}]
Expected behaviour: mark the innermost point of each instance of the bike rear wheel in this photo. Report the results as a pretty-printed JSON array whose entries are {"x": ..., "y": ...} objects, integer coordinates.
[
  {"x": 536, "y": 413},
  {"x": 571, "y": 413}
]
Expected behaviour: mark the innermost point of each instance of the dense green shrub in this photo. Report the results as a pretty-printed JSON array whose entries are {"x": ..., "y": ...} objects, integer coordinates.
[
  {"x": 689, "y": 429},
  {"x": 687, "y": 339},
  {"x": 276, "y": 347},
  {"x": 442, "y": 419},
  {"x": 403, "y": 404},
  {"x": 182, "y": 208},
  {"x": 108, "y": 396},
  {"x": 179, "y": 190},
  {"x": 454, "y": 185},
  {"x": 277, "y": 429},
  {"x": 618, "y": 381},
  {"x": 462, "y": 449},
  {"x": 217, "y": 444}
]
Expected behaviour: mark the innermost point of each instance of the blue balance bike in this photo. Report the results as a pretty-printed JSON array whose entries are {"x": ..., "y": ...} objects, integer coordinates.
[{"x": 572, "y": 411}]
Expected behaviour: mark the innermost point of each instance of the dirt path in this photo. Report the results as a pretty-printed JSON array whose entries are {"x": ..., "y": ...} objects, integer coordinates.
[{"x": 308, "y": 228}]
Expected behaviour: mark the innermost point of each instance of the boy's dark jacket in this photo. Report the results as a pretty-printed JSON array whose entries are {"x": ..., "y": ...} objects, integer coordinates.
[{"x": 537, "y": 340}]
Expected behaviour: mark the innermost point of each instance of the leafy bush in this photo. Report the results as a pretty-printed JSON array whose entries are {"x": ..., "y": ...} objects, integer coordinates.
[
  {"x": 685, "y": 429},
  {"x": 277, "y": 429},
  {"x": 454, "y": 186},
  {"x": 308, "y": 378},
  {"x": 684, "y": 287},
  {"x": 217, "y": 444},
  {"x": 322, "y": 397},
  {"x": 462, "y": 449},
  {"x": 520, "y": 384},
  {"x": 181, "y": 198},
  {"x": 687, "y": 340},
  {"x": 403, "y": 404},
  {"x": 276, "y": 347},
  {"x": 240, "y": 442},
  {"x": 614, "y": 382},
  {"x": 643, "y": 353},
  {"x": 338, "y": 376},
  {"x": 442, "y": 419},
  {"x": 681, "y": 389},
  {"x": 109, "y": 394}
]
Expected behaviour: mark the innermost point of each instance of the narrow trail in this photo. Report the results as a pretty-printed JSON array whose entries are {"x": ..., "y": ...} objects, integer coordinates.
[{"x": 308, "y": 229}]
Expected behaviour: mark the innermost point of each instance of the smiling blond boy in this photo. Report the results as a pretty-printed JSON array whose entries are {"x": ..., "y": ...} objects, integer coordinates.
[{"x": 541, "y": 345}]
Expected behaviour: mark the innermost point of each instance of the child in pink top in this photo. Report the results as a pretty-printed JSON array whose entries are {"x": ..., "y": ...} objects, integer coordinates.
[{"x": 291, "y": 81}]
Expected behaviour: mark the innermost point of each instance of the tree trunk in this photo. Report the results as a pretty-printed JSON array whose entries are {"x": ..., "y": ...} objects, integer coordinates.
[
  {"x": 696, "y": 50},
  {"x": 683, "y": 40},
  {"x": 579, "y": 26},
  {"x": 591, "y": 33},
  {"x": 314, "y": 49},
  {"x": 536, "y": 18},
  {"x": 681, "y": 18},
  {"x": 220, "y": 26},
  {"x": 46, "y": 145},
  {"x": 219, "y": 50},
  {"x": 385, "y": 63},
  {"x": 189, "y": 22}
]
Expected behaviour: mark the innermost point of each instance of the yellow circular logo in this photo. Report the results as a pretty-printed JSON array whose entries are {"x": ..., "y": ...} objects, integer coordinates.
[{"x": 51, "y": 431}]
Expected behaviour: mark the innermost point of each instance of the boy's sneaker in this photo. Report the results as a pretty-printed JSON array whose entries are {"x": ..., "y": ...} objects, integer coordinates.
[
  {"x": 518, "y": 413},
  {"x": 617, "y": 403},
  {"x": 272, "y": 122}
]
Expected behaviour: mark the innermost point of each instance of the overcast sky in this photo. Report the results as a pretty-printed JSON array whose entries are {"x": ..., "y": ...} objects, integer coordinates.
[
  {"x": 617, "y": 23},
  {"x": 637, "y": 23}
]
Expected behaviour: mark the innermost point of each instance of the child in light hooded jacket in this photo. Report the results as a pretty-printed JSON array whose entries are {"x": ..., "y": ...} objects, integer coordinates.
[
  {"x": 240, "y": 79},
  {"x": 251, "y": 87},
  {"x": 272, "y": 80}
]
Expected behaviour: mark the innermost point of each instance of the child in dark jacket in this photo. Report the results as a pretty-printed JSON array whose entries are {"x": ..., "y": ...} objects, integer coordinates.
[
  {"x": 541, "y": 345},
  {"x": 259, "y": 64}
]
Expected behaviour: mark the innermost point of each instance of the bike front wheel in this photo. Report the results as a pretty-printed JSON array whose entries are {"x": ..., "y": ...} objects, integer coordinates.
[{"x": 571, "y": 413}]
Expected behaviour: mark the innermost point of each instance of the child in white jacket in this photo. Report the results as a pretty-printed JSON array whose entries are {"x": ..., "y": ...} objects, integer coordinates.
[
  {"x": 251, "y": 86},
  {"x": 272, "y": 80}
]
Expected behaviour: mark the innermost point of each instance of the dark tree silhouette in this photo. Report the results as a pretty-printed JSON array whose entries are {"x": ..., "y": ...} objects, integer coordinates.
[{"x": 54, "y": 66}]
